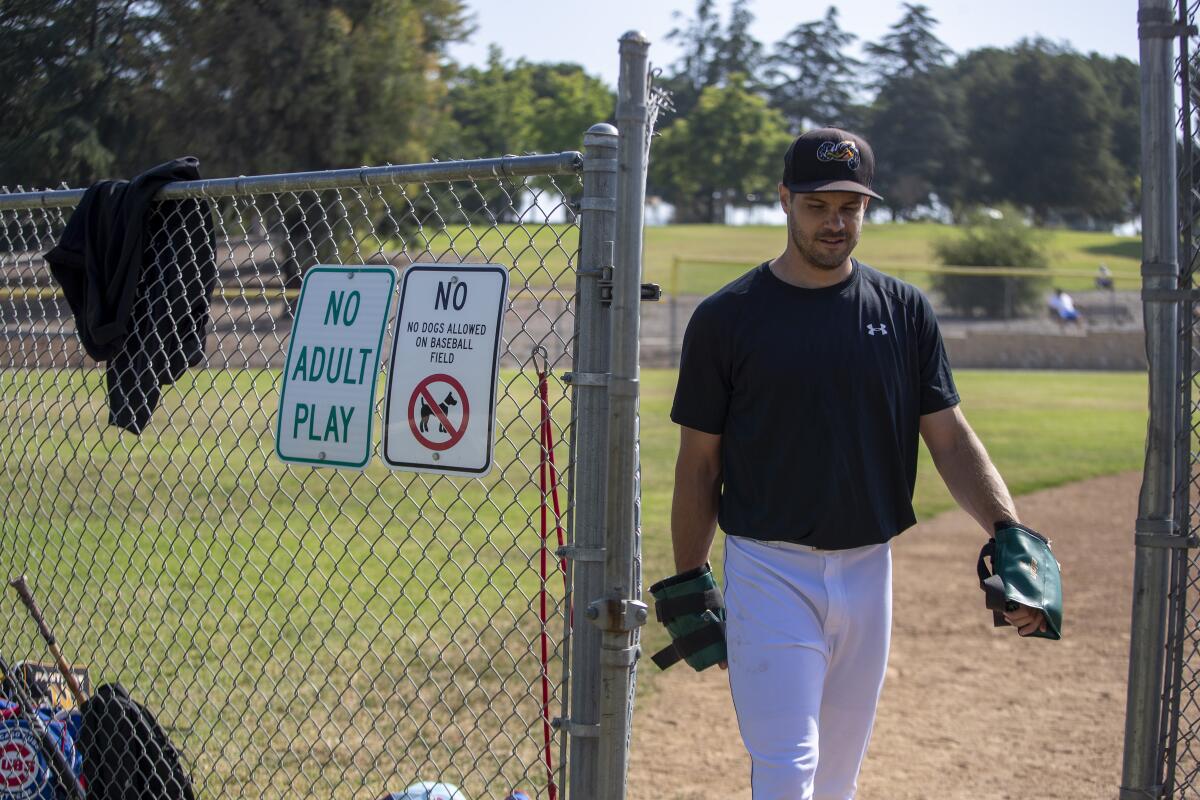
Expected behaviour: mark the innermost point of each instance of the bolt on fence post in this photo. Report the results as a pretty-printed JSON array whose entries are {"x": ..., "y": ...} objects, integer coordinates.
[
  {"x": 597, "y": 233},
  {"x": 1160, "y": 271},
  {"x": 618, "y": 656}
]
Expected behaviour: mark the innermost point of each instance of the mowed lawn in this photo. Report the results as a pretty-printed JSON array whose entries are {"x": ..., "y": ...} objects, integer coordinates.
[
  {"x": 337, "y": 633},
  {"x": 541, "y": 252},
  {"x": 303, "y": 631},
  {"x": 904, "y": 250}
]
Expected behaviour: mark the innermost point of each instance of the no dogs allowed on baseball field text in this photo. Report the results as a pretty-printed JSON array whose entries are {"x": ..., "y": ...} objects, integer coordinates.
[
  {"x": 440, "y": 410},
  {"x": 327, "y": 403}
]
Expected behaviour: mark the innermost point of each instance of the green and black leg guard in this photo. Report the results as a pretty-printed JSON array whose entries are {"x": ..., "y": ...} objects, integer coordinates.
[
  {"x": 1023, "y": 571},
  {"x": 691, "y": 608}
]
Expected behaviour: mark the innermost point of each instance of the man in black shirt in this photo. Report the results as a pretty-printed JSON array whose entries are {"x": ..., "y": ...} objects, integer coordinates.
[{"x": 803, "y": 387}]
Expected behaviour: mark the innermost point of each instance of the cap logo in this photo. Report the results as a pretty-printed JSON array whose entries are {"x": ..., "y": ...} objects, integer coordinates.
[{"x": 845, "y": 151}]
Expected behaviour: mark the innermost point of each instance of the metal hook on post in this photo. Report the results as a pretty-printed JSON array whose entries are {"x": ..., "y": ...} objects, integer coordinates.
[{"x": 545, "y": 354}]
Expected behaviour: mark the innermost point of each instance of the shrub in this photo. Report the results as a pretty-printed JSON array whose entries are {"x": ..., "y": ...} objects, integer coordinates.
[{"x": 991, "y": 241}]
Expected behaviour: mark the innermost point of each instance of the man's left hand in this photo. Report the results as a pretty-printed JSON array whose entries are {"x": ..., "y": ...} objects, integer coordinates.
[{"x": 1026, "y": 620}]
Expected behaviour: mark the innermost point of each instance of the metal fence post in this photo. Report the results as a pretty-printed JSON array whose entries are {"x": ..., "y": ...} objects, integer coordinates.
[
  {"x": 618, "y": 611},
  {"x": 597, "y": 232},
  {"x": 1155, "y": 525}
]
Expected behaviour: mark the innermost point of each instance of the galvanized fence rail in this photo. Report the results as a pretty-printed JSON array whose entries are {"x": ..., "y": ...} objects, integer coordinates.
[
  {"x": 1181, "y": 718},
  {"x": 1162, "y": 730},
  {"x": 300, "y": 632}
]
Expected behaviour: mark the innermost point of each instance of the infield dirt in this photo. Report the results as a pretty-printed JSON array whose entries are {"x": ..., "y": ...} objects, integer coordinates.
[{"x": 968, "y": 712}]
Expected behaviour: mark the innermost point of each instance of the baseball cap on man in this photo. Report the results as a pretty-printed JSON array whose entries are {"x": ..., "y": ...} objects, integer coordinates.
[{"x": 829, "y": 160}]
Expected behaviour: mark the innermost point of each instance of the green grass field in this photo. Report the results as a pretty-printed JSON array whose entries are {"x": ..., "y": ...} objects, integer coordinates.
[
  {"x": 542, "y": 252},
  {"x": 319, "y": 632}
]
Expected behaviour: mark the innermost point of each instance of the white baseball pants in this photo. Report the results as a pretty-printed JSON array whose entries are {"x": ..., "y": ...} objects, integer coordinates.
[{"x": 808, "y": 634}]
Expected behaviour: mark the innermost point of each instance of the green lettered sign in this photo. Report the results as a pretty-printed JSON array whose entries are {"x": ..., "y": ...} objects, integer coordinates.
[{"x": 327, "y": 403}]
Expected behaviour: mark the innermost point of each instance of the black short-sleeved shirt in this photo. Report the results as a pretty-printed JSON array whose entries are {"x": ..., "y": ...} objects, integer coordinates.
[{"x": 817, "y": 395}]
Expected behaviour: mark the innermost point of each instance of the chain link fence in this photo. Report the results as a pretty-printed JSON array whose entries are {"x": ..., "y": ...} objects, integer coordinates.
[
  {"x": 299, "y": 632},
  {"x": 1181, "y": 728},
  {"x": 1162, "y": 733}
]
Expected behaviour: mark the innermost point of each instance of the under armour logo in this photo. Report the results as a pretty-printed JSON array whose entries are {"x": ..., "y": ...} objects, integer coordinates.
[{"x": 880, "y": 329}]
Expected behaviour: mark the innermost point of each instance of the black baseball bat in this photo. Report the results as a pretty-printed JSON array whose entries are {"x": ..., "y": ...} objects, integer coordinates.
[{"x": 28, "y": 711}]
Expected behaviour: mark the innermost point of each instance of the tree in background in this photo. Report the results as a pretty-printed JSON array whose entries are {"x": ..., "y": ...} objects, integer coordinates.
[
  {"x": 522, "y": 107},
  {"x": 101, "y": 88},
  {"x": 728, "y": 150},
  {"x": 1040, "y": 120},
  {"x": 711, "y": 54},
  {"x": 912, "y": 124},
  {"x": 911, "y": 48},
  {"x": 292, "y": 85},
  {"x": 1122, "y": 86},
  {"x": 813, "y": 80},
  {"x": 107, "y": 89},
  {"x": 80, "y": 81},
  {"x": 281, "y": 85},
  {"x": 738, "y": 52},
  {"x": 567, "y": 102},
  {"x": 492, "y": 109}
]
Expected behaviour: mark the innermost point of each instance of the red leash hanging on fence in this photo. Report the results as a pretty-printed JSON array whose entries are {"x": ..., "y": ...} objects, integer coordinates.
[{"x": 547, "y": 470}]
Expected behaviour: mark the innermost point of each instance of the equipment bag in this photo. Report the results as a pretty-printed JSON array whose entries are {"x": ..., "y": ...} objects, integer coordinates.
[{"x": 126, "y": 754}]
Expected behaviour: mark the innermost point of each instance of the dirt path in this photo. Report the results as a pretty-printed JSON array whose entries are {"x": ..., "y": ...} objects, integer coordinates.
[{"x": 968, "y": 712}]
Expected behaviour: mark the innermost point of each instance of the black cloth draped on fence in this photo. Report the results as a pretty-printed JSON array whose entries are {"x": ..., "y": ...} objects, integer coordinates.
[{"x": 139, "y": 278}]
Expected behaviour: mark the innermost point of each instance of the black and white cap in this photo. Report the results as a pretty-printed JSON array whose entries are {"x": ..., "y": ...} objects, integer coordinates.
[{"x": 830, "y": 160}]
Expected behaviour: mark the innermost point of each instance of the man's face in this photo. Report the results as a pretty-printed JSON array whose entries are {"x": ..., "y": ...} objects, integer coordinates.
[{"x": 824, "y": 226}]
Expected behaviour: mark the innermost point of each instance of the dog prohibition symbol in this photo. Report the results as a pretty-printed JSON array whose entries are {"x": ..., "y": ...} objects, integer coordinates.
[
  {"x": 427, "y": 412},
  {"x": 805, "y": 387}
]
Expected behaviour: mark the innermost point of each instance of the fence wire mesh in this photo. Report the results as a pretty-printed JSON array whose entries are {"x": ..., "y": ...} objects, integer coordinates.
[
  {"x": 1181, "y": 720},
  {"x": 299, "y": 632}
]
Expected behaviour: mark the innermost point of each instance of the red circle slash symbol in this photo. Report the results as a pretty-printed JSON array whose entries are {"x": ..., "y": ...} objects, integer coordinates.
[{"x": 432, "y": 410}]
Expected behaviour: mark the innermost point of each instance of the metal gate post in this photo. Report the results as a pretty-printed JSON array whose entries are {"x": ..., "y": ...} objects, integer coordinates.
[
  {"x": 1156, "y": 528},
  {"x": 589, "y": 384},
  {"x": 618, "y": 612}
]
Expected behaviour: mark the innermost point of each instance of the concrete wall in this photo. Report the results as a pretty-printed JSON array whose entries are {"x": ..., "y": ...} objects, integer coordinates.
[
  {"x": 1102, "y": 341},
  {"x": 1082, "y": 349}
]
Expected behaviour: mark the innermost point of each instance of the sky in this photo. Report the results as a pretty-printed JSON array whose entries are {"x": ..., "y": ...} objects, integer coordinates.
[{"x": 587, "y": 33}]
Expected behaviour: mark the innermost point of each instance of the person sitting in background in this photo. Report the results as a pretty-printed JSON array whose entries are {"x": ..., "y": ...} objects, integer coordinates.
[
  {"x": 1063, "y": 307},
  {"x": 1104, "y": 279}
]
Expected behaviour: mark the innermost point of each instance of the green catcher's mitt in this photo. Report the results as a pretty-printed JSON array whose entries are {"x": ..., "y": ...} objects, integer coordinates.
[{"x": 1024, "y": 571}]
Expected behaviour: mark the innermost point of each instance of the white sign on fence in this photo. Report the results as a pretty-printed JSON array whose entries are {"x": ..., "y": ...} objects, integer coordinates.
[
  {"x": 327, "y": 403},
  {"x": 440, "y": 410}
]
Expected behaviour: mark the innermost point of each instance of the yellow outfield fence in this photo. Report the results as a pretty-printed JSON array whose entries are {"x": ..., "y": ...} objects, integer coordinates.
[{"x": 1072, "y": 276}]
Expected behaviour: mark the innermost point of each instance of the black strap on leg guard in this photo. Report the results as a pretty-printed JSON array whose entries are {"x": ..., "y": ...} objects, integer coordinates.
[
  {"x": 688, "y": 645},
  {"x": 691, "y": 608}
]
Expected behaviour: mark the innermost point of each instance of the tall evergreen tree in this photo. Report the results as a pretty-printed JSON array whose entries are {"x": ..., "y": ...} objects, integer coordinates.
[
  {"x": 1040, "y": 120},
  {"x": 699, "y": 39},
  {"x": 917, "y": 140},
  {"x": 911, "y": 48},
  {"x": 712, "y": 53},
  {"x": 912, "y": 123},
  {"x": 1121, "y": 82},
  {"x": 813, "y": 80},
  {"x": 80, "y": 88},
  {"x": 738, "y": 52}
]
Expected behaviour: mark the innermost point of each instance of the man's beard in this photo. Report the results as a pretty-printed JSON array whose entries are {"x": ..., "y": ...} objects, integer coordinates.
[{"x": 818, "y": 256}]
